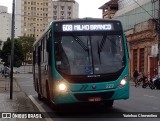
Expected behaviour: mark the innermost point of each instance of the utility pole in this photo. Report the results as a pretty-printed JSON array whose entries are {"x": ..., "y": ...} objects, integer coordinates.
[{"x": 12, "y": 49}]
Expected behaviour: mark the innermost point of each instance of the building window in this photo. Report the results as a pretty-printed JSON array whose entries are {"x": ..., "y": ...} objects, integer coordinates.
[
  {"x": 134, "y": 59},
  {"x": 55, "y": 7},
  {"x": 55, "y": 17},
  {"x": 62, "y": 13},
  {"x": 62, "y": 17},
  {"x": 62, "y": 7},
  {"x": 141, "y": 60},
  {"x": 69, "y": 8},
  {"x": 69, "y": 13}
]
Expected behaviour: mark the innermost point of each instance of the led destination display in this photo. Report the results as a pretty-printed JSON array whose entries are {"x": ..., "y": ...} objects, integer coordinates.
[{"x": 87, "y": 26}]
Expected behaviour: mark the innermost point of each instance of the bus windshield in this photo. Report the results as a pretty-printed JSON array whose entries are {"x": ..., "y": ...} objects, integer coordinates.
[{"x": 89, "y": 54}]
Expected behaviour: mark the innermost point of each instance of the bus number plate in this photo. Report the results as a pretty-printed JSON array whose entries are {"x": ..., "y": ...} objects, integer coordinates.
[{"x": 94, "y": 99}]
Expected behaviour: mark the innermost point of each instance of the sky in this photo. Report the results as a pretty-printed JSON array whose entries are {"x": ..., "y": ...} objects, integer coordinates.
[{"x": 87, "y": 8}]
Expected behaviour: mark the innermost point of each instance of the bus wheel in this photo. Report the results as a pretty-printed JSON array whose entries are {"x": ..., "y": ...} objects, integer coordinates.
[{"x": 109, "y": 103}]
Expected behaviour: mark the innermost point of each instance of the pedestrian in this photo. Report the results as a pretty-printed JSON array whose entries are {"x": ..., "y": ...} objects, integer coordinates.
[{"x": 135, "y": 76}]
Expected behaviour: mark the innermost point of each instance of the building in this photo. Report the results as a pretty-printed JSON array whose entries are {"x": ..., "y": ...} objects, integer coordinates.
[
  {"x": 65, "y": 9},
  {"x": 139, "y": 20},
  {"x": 109, "y": 9},
  {"x": 32, "y": 17},
  {"x": 5, "y": 24}
]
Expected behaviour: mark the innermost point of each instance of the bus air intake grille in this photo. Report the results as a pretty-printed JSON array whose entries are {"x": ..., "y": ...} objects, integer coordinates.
[{"x": 103, "y": 95}]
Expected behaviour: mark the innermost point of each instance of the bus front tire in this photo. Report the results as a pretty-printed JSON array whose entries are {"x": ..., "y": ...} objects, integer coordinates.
[{"x": 109, "y": 103}]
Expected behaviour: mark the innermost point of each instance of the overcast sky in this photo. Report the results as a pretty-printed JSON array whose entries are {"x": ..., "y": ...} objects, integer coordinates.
[{"x": 87, "y": 8}]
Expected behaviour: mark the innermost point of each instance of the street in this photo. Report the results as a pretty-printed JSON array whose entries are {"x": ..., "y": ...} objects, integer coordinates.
[{"x": 140, "y": 101}]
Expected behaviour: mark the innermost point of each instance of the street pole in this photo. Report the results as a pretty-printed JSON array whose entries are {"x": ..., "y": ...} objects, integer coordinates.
[{"x": 12, "y": 49}]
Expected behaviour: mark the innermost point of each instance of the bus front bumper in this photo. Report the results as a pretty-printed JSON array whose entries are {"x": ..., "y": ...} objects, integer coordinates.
[{"x": 87, "y": 96}]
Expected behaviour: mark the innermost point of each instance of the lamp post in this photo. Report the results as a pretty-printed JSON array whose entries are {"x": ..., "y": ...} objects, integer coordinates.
[{"x": 12, "y": 49}]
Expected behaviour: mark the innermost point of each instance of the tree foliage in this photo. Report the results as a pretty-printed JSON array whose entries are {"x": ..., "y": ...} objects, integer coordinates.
[
  {"x": 18, "y": 53},
  {"x": 27, "y": 43}
]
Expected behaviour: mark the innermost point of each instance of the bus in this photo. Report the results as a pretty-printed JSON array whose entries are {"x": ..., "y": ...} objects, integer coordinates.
[{"x": 81, "y": 61}]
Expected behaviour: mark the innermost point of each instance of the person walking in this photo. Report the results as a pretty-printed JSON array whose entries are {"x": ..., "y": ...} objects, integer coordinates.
[{"x": 135, "y": 76}]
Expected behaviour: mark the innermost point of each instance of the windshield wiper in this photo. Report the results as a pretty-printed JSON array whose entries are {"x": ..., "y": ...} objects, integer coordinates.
[
  {"x": 100, "y": 47},
  {"x": 80, "y": 42},
  {"x": 84, "y": 47}
]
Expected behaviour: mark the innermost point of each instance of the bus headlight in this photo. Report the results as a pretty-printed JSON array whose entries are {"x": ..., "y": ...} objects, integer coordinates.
[
  {"x": 62, "y": 87},
  {"x": 123, "y": 82}
]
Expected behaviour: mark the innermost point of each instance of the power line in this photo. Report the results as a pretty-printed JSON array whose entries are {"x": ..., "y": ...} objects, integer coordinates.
[
  {"x": 144, "y": 9},
  {"x": 134, "y": 13},
  {"x": 148, "y": 13}
]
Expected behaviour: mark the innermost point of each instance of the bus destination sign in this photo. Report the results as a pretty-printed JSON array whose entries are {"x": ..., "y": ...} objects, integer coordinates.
[{"x": 87, "y": 27}]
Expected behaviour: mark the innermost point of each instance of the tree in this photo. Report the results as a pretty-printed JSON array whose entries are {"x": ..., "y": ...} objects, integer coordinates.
[
  {"x": 18, "y": 53},
  {"x": 27, "y": 43}
]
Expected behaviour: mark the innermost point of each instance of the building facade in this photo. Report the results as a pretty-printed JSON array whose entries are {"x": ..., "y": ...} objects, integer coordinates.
[
  {"x": 65, "y": 9},
  {"x": 32, "y": 17},
  {"x": 109, "y": 9},
  {"x": 5, "y": 24},
  {"x": 139, "y": 20}
]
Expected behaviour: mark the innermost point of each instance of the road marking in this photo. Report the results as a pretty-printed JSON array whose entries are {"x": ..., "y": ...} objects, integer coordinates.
[
  {"x": 150, "y": 96},
  {"x": 41, "y": 109}
]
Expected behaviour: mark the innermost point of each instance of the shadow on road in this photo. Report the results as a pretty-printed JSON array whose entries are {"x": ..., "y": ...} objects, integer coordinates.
[{"x": 83, "y": 111}]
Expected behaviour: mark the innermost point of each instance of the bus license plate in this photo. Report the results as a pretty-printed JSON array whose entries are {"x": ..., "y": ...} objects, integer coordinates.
[{"x": 94, "y": 99}]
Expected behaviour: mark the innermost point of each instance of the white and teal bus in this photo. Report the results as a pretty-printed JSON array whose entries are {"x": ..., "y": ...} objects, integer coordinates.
[{"x": 82, "y": 61}]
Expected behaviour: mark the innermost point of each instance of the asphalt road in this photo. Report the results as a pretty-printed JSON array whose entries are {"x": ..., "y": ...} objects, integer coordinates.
[{"x": 140, "y": 101}]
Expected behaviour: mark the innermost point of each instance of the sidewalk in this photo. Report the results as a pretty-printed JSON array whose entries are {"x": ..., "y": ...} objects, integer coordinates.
[{"x": 19, "y": 103}]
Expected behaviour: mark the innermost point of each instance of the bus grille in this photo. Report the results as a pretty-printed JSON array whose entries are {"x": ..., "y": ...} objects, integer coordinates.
[{"x": 103, "y": 95}]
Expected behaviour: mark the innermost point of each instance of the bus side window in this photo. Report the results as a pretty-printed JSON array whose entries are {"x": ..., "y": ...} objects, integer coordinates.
[
  {"x": 34, "y": 57},
  {"x": 39, "y": 55},
  {"x": 48, "y": 45}
]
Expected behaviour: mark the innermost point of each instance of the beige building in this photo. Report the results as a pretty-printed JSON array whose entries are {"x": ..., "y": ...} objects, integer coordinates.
[
  {"x": 109, "y": 9},
  {"x": 32, "y": 17},
  {"x": 143, "y": 48},
  {"x": 65, "y": 9}
]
